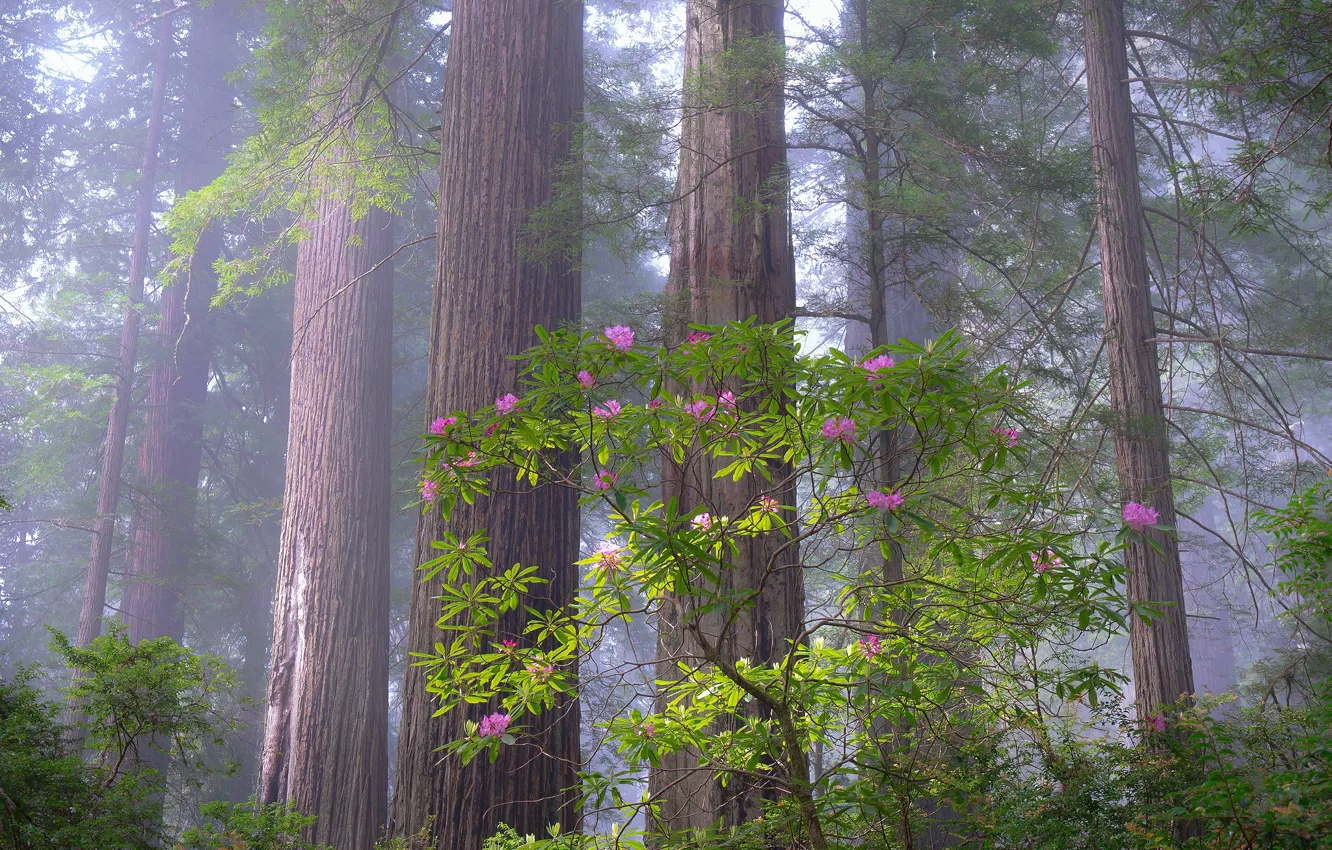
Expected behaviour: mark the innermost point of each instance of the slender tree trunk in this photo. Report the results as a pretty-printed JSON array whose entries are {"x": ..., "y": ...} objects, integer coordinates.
[
  {"x": 1162, "y": 670},
  {"x": 325, "y": 747},
  {"x": 170, "y": 451},
  {"x": 731, "y": 259},
  {"x": 512, "y": 90},
  {"x": 113, "y": 450}
]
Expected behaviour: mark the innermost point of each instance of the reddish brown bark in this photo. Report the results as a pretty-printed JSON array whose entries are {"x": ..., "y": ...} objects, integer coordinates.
[
  {"x": 512, "y": 90},
  {"x": 1162, "y": 670},
  {"x": 731, "y": 259},
  {"x": 170, "y": 450},
  {"x": 325, "y": 747},
  {"x": 113, "y": 450}
]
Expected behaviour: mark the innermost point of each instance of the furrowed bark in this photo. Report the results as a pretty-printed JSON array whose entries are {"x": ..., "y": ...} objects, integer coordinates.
[
  {"x": 1162, "y": 670},
  {"x": 325, "y": 747},
  {"x": 512, "y": 90},
  {"x": 170, "y": 451},
  {"x": 731, "y": 259}
]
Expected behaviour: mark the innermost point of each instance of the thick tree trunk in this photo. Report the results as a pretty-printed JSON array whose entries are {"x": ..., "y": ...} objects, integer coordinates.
[
  {"x": 171, "y": 449},
  {"x": 113, "y": 450},
  {"x": 731, "y": 259},
  {"x": 512, "y": 90},
  {"x": 1162, "y": 671},
  {"x": 325, "y": 745}
]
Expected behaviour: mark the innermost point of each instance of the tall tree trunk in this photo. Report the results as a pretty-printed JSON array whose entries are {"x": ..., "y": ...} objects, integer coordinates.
[
  {"x": 113, "y": 450},
  {"x": 731, "y": 259},
  {"x": 1162, "y": 670},
  {"x": 511, "y": 93},
  {"x": 325, "y": 747},
  {"x": 171, "y": 449}
]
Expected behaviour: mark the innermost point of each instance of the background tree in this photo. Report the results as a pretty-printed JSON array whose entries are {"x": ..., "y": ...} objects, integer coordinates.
[{"x": 731, "y": 260}]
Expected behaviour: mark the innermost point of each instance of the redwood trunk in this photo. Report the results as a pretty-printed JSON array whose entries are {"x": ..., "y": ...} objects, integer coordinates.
[
  {"x": 325, "y": 747},
  {"x": 731, "y": 259},
  {"x": 113, "y": 451},
  {"x": 512, "y": 90},
  {"x": 1162, "y": 671},
  {"x": 170, "y": 452}
]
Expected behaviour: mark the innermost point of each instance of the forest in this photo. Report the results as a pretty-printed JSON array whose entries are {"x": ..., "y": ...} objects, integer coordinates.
[{"x": 665, "y": 424}]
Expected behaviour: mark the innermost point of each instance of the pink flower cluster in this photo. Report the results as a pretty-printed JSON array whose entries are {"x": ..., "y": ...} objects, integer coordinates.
[
  {"x": 870, "y": 645},
  {"x": 610, "y": 411},
  {"x": 1157, "y": 722},
  {"x": 442, "y": 424},
  {"x": 839, "y": 429},
  {"x": 494, "y": 724},
  {"x": 1007, "y": 434},
  {"x": 508, "y": 647},
  {"x": 696, "y": 337},
  {"x": 506, "y": 404},
  {"x": 655, "y": 403},
  {"x": 620, "y": 337},
  {"x": 1046, "y": 562},
  {"x": 648, "y": 729},
  {"x": 726, "y": 400},
  {"x": 605, "y": 479},
  {"x": 1138, "y": 517},
  {"x": 462, "y": 463},
  {"x": 889, "y": 501},
  {"x": 700, "y": 410},
  {"x": 585, "y": 379},
  {"x": 429, "y": 490},
  {"x": 702, "y": 522},
  {"x": 768, "y": 505},
  {"x": 540, "y": 672},
  {"x": 609, "y": 556},
  {"x": 875, "y": 366}
]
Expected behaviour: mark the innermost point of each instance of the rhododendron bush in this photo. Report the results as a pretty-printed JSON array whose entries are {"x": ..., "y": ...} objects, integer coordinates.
[{"x": 1005, "y": 581}]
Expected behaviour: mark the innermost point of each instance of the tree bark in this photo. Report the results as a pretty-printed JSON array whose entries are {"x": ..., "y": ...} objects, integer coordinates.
[
  {"x": 170, "y": 451},
  {"x": 512, "y": 90},
  {"x": 1162, "y": 670},
  {"x": 113, "y": 450},
  {"x": 731, "y": 259},
  {"x": 325, "y": 747}
]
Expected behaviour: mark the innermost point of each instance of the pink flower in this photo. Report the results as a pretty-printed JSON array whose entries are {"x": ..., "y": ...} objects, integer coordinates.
[
  {"x": 585, "y": 379},
  {"x": 605, "y": 479},
  {"x": 1138, "y": 517},
  {"x": 768, "y": 505},
  {"x": 490, "y": 429},
  {"x": 839, "y": 429},
  {"x": 1009, "y": 434},
  {"x": 1157, "y": 722},
  {"x": 727, "y": 400},
  {"x": 494, "y": 724},
  {"x": 1046, "y": 563},
  {"x": 697, "y": 337},
  {"x": 506, "y": 404},
  {"x": 442, "y": 424},
  {"x": 620, "y": 337},
  {"x": 875, "y": 365},
  {"x": 648, "y": 729},
  {"x": 655, "y": 403},
  {"x": 890, "y": 501},
  {"x": 508, "y": 647},
  {"x": 702, "y": 522},
  {"x": 609, "y": 556},
  {"x": 870, "y": 645},
  {"x": 429, "y": 490},
  {"x": 470, "y": 460},
  {"x": 540, "y": 672},
  {"x": 701, "y": 410},
  {"x": 611, "y": 410}
]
